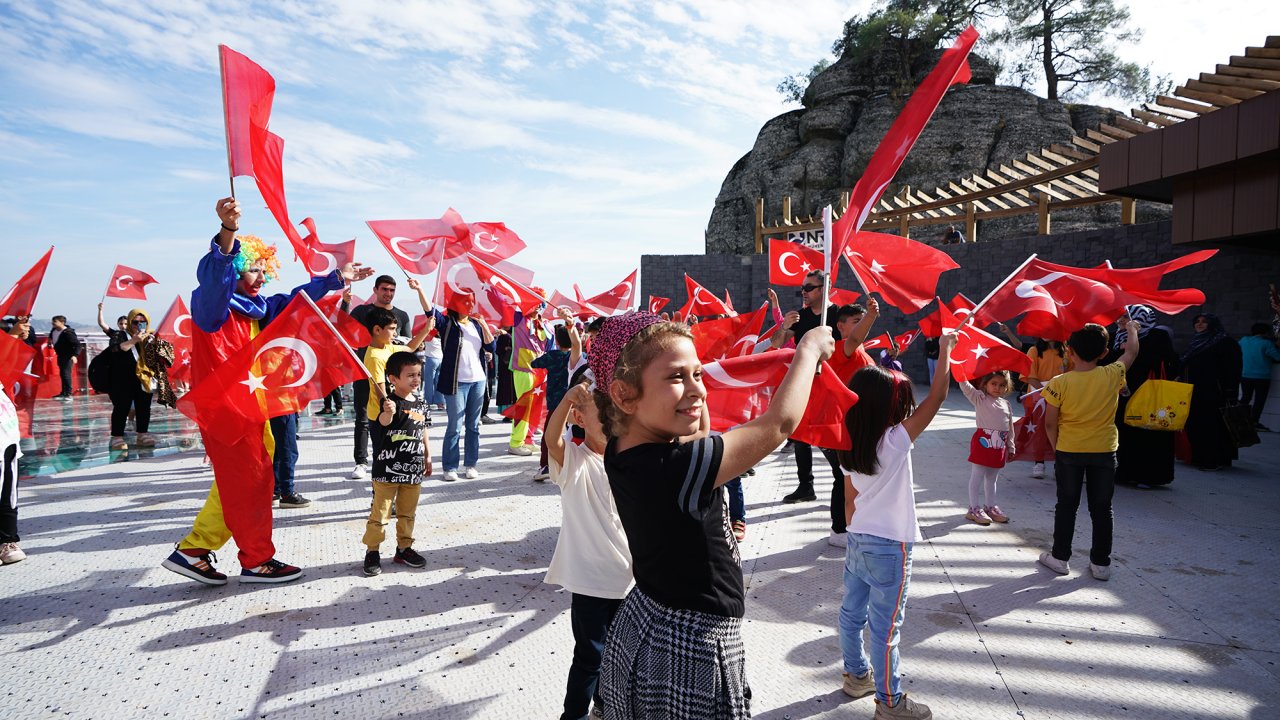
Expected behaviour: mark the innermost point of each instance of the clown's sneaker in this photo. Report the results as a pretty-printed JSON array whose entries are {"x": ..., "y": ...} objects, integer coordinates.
[
  {"x": 271, "y": 571},
  {"x": 199, "y": 568}
]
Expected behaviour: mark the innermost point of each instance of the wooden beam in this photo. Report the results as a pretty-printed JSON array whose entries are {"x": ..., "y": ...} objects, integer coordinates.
[
  {"x": 1095, "y": 135},
  {"x": 939, "y": 205},
  {"x": 786, "y": 210},
  {"x": 1207, "y": 97},
  {"x": 972, "y": 184},
  {"x": 904, "y": 226},
  {"x": 1115, "y": 132},
  {"x": 1086, "y": 144},
  {"x": 1258, "y": 73},
  {"x": 1239, "y": 93},
  {"x": 1171, "y": 112},
  {"x": 1262, "y": 52},
  {"x": 1132, "y": 126},
  {"x": 1273, "y": 41},
  {"x": 1128, "y": 211},
  {"x": 1042, "y": 223},
  {"x": 1173, "y": 102},
  {"x": 1255, "y": 62},
  {"x": 759, "y": 225},
  {"x": 962, "y": 191},
  {"x": 1244, "y": 82},
  {"x": 1067, "y": 152},
  {"x": 970, "y": 222},
  {"x": 1155, "y": 118}
]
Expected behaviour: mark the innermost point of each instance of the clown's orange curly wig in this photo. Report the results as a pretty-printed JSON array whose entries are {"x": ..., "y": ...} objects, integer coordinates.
[{"x": 254, "y": 250}]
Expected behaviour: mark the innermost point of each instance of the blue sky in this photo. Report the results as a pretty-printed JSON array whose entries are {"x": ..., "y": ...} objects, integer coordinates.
[{"x": 597, "y": 130}]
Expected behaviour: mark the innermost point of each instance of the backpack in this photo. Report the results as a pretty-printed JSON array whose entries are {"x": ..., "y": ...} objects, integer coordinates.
[{"x": 100, "y": 373}]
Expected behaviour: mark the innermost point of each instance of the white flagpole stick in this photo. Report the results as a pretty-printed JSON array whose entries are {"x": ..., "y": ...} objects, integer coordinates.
[
  {"x": 344, "y": 343},
  {"x": 226, "y": 130},
  {"x": 826, "y": 264},
  {"x": 993, "y": 292}
]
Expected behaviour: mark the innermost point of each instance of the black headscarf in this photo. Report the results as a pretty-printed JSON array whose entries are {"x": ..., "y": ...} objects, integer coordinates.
[{"x": 1210, "y": 336}]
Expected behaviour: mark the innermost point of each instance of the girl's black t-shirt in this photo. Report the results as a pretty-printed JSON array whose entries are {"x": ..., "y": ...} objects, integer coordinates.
[
  {"x": 683, "y": 551},
  {"x": 400, "y": 459}
]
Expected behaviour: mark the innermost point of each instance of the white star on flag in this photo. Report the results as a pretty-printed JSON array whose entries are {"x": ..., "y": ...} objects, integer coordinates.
[
  {"x": 979, "y": 352},
  {"x": 876, "y": 267},
  {"x": 1031, "y": 427},
  {"x": 806, "y": 267},
  {"x": 254, "y": 382}
]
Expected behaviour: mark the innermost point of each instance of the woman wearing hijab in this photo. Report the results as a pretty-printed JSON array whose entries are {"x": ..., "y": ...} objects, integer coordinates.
[
  {"x": 1145, "y": 457},
  {"x": 1212, "y": 365},
  {"x": 139, "y": 366}
]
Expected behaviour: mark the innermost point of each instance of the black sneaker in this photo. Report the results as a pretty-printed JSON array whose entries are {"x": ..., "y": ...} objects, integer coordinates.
[
  {"x": 275, "y": 500},
  {"x": 407, "y": 556},
  {"x": 486, "y": 420},
  {"x": 293, "y": 501},
  {"x": 198, "y": 568},
  {"x": 750, "y": 472},
  {"x": 803, "y": 493},
  {"x": 271, "y": 571},
  {"x": 373, "y": 563}
]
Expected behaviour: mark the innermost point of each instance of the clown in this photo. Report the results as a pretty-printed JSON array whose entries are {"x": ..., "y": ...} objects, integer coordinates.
[{"x": 228, "y": 310}]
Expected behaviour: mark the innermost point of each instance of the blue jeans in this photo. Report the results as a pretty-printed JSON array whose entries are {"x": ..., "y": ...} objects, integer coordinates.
[
  {"x": 737, "y": 503},
  {"x": 467, "y": 400},
  {"x": 284, "y": 430},
  {"x": 431, "y": 374},
  {"x": 877, "y": 572},
  {"x": 590, "y": 618},
  {"x": 1095, "y": 473}
]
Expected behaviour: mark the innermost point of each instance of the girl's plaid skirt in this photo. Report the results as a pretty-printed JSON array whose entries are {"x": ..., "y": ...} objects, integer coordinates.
[{"x": 667, "y": 664}]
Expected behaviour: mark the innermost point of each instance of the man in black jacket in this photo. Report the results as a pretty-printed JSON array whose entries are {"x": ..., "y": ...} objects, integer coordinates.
[{"x": 67, "y": 347}]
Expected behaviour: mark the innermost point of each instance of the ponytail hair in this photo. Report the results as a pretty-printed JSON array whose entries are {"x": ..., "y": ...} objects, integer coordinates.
[{"x": 885, "y": 399}]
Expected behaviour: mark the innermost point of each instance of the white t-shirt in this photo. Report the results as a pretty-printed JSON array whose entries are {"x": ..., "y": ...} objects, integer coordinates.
[
  {"x": 431, "y": 348},
  {"x": 591, "y": 557},
  {"x": 886, "y": 505},
  {"x": 469, "y": 368},
  {"x": 9, "y": 429}
]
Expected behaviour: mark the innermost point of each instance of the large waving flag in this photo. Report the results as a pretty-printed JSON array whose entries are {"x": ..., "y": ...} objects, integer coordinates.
[
  {"x": 952, "y": 69},
  {"x": 977, "y": 352},
  {"x": 492, "y": 242},
  {"x": 701, "y": 301},
  {"x": 247, "y": 94},
  {"x": 127, "y": 282},
  {"x": 739, "y": 390},
  {"x": 903, "y": 271},
  {"x": 728, "y": 337},
  {"x": 960, "y": 307},
  {"x": 323, "y": 258},
  {"x": 617, "y": 299},
  {"x": 419, "y": 246},
  {"x": 497, "y": 290},
  {"x": 790, "y": 262},
  {"x": 15, "y": 357},
  {"x": 21, "y": 298},
  {"x": 298, "y": 358}
]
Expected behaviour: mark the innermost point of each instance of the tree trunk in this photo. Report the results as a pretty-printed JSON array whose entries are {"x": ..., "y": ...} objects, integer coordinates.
[{"x": 1050, "y": 74}]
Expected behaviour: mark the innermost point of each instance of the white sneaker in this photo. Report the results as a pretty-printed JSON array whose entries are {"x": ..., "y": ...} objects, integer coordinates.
[
  {"x": 470, "y": 473},
  {"x": 450, "y": 476},
  {"x": 11, "y": 553},
  {"x": 1037, "y": 471},
  {"x": 1100, "y": 572},
  {"x": 360, "y": 472},
  {"x": 839, "y": 540},
  {"x": 522, "y": 451},
  {"x": 1053, "y": 563}
]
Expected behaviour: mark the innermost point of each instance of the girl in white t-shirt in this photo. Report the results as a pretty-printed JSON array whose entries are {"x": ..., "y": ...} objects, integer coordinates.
[
  {"x": 881, "y": 514},
  {"x": 591, "y": 560}
]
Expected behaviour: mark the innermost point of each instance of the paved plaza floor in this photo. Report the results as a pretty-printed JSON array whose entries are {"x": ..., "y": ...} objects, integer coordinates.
[{"x": 92, "y": 627}]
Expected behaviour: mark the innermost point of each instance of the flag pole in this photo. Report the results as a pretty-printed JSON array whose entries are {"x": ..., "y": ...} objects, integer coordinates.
[
  {"x": 826, "y": 264},
  {"x": 343, "y": 341},
  {"x": 996, "y": 289},
  {"x": 226, "y": 129}
]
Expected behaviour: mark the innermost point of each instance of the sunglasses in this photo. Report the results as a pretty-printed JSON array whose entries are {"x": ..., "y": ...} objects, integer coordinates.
[{"x": 810, "y": 288}]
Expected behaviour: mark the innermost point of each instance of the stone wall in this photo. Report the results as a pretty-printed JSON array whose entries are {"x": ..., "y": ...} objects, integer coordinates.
[{"x": 1234, "y": 281}]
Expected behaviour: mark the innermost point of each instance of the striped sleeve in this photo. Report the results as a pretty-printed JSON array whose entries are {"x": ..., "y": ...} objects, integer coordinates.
[{"x": 703, "y": 458}]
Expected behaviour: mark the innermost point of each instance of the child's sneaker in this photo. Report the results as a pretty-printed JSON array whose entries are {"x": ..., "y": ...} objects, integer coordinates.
[
  {"x": 271, "y": 571},
  {"x": 858, "y": 687},
  {"x": 906, "y": 708},
  {"x": 360, "y": 471},
  {"x": 293, "y": 501},
  {"x": 978, "y": 515},
  {"x": 198, "y": 567},
  {"x": 10, "y": 553},
  {"x": 372, "y": 563},
  {"x": 450, "y": 476},
  {"x": 1037, "y": 471},
  {"x": 1100, "y": 572},
  {"x": 739, "y": 530},
  {"x": 543, "y": 473},
  {"x": 1053, "y": 563},
  {"x": 996, "y": 514},
  {"x": 409, "y": 556}
]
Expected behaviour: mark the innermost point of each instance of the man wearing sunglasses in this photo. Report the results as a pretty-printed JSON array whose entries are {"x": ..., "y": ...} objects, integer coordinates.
[{"x": 808, "y": 319}]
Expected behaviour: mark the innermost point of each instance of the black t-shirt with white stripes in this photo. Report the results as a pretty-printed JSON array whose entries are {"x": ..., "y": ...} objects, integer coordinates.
[{"x": 683, "y": 551}]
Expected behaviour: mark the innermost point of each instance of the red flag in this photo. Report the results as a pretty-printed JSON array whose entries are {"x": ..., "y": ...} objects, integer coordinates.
[
  {"x": 15, "y": 358},
  {"x": 728, "y": 337},
  {"x": 840, "y": 297},
  {"x": 789, "y": 263},
  {"x": 1148, "y": 278},
  {"x": 298, "y": 358},
  {"x": 175, "y": 328},
  {"x": 701, "y": 300},
  {"x": 618, "y": 299},
  {"x": 951, "y": 69},
  {"x": 739, "y": 390},
  {"x": 657, "y": 303},
  {"x": 1031, "y": 436},
  {"x": 977, "y": 353},
  {"x": 267, "y": 150},
  {"x": 323, "y": 259},
  {"x": 559, "y": 300},
  {"x": 903, "y": 271},
  {"x": 531, "y": 406},
  {"x": 960, "y": 307},
  {"x": 419, "y": 246},
  {"x": 1065, "y": 299},
  {"x": 728, "y": 302},
  {"x": 21, "y": 298},
  {"x": 880, "y": 342},
  {"x": 465, "y": 275},
  {"x": 492, "y": 242},
  {"x": 905, "y": 339},
  {"x": 351, "y": 330},
  {"x": 126, "y": 282},
  {"x": 247, "y": 94}
]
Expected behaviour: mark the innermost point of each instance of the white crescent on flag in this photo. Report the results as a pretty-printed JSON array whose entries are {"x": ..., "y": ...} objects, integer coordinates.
[
  {"x": 309, "y": 360},
  {"x": 122, "y": 278},
  {"x": 421, "y": 248},
  {"x": 177, "y": 326}
]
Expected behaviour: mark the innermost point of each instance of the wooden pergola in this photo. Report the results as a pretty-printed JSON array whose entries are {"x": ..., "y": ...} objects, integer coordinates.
[{"x": 1058, "y": 177}]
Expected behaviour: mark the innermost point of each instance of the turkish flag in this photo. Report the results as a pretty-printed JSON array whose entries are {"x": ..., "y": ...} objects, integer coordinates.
[
  {"x": 977, "y": 352},
  {"x": 420, "y": 322},
  {"x": 559, "y": 300},
  {"x": 15, "y": 358},
  {"x": 21, "y": 298},
  {"x": 465, "y": 275},
  {"x": 618, "y": 299},
  {"x": 840, "y": 296},
  {"x": 1031, "y": 436},
  {"x": 419, "y": 246},
  {"x": 952, "y": 69},
  {"x": 728, "y": 337},
  {"x": 298, "y": 358},
  {"x": 1148, "y": 278},
  {"x": 905, "y": 339},
  {"x": 879, "y": 342},
  {"x": 1064, "y": 299},
  {"x": 790, "y": 262},
  {"x": 531, "y": 406},
  {"x": 322, "y": 259},
  {"x": 351, "y": 330},
  {"x": 247, "y": 94},
  {"x": 701, "y": 300},
  {"x": 268, "y": 174},
  {"x": 126, "y": 282},
  {"x": 739, "y": 390},
  {"x": 960, "y": 307},
  {"x": 657, "y": 303},
  {"x": 175, "y": 328},
  {"x": 492, "y": 242},
  {"x": 903, "y": 271}
]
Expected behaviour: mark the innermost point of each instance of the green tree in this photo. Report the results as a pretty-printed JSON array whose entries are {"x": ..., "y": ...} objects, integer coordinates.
[
  {"x": 792, "y": 87},
  {"x": 1073, "y": 44}
]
